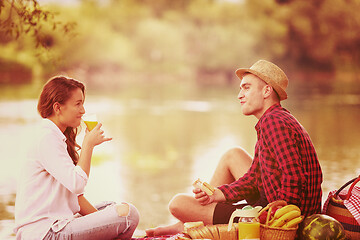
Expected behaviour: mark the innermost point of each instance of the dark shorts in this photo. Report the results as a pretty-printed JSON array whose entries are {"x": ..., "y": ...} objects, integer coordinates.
[{"x": 223, "y": 211}]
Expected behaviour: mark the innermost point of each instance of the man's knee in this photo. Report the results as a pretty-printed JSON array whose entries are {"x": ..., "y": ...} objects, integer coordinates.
[
  {"x": 236, "y": 155},
  {"x": 236, "y": 161},
  {"x": 235, "y": 152},
  {"x": 177, "y": 203}
]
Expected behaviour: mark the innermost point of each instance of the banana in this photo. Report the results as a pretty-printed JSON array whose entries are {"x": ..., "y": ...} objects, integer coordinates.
[
  {"x": 293, "y": 223},
  {"x": 285, "y": 218},
  {"x": 270, "y": 206},
  {"x": 285, "y": 209},
  {"x": 273, "y": 204}
]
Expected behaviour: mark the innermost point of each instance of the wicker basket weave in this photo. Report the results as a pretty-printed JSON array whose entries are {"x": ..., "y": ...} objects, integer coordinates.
[{"x": 271, "y": 233}]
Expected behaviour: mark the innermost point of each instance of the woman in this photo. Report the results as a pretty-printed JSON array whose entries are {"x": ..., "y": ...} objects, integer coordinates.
[{"x": 55, "y": 175}]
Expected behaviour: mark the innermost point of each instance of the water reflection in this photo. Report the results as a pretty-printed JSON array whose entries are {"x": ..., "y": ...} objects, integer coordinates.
[
  {"x": 168, "y": 145},
  {"x": 159, "y": 148}
]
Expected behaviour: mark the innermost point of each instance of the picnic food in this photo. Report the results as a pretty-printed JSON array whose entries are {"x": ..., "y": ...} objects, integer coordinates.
[
  {"x": 249, "y": 226},
  {"x": 197, "y": 230},
  {"x": 285, "y": 215},
  {"x": 272, "y": 207},
  {"x": 190, "y": 225},
  {"x": 294, "y": 222},
  {"x": 321, "y": 226},
  {"x": 204, "y": 186},
  {"x": 279, "y": 214}
]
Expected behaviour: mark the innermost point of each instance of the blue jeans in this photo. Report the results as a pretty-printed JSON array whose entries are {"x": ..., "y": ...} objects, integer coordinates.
[{"x": 101, "y": 225}]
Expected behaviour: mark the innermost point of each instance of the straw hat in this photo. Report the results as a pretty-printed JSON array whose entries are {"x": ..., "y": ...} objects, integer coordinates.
[{"x": 269, "y": 73}]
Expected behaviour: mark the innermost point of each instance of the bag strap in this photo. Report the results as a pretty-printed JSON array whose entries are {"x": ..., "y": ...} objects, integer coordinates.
[
  {"x": 351, "y": 188},
  {"x": 354, "y": 181}
]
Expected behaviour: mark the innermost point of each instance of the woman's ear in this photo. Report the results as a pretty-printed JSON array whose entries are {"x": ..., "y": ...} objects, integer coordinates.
[{"x": 56, "y": 107}]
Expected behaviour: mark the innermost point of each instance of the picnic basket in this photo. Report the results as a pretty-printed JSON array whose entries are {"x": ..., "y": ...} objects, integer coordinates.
[
  {"x": 336, "y": 208},
  {"x": 270, "y": 233}
]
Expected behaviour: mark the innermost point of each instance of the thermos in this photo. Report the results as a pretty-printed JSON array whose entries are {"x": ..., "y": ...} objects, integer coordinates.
[{"x": 249, "y": 225}]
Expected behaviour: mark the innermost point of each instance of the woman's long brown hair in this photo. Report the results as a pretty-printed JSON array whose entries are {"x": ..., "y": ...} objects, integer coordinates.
[{"x": 59, "y": 89}]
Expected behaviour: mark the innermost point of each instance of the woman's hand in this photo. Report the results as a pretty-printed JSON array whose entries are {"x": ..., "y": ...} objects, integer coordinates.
[
  {"x": 205, "y": 199},
  {"x": 95, "y": 136},
  {"x": 91, "y": 139}
]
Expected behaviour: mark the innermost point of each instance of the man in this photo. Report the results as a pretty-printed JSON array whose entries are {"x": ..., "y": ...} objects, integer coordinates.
[{"x": 285, "y": 165}]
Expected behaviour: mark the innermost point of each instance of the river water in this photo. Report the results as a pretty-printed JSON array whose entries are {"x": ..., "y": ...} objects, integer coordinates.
[{"x": 160, "y": 147}]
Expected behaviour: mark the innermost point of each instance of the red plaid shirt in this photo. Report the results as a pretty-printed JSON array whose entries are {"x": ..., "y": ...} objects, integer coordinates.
[{"x": 285, "y": 165}]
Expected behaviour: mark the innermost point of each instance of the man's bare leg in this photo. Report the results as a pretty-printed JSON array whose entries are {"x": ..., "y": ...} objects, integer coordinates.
[
  {"x": 194, "y": 212},
  {"x": 233, "y": 164},
  {"x": 165, "y": 230},
  {"x": 187, "y": 209}
]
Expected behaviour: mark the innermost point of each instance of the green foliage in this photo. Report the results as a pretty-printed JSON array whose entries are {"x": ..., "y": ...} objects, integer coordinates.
[
  {"x": 19, "y": 17},
  {"x": 321, "y": 32},
  {"x": 203, "y": 40},
  {"x": 159, "y": 44}
]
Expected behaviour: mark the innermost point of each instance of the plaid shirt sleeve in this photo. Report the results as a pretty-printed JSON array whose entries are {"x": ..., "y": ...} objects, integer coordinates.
[{"x": 244, "y": 188}]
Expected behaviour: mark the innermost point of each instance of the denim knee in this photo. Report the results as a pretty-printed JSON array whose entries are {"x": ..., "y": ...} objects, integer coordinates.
[
  {"x": 132, "y": 220},
  {"x": 133, "y": 215}
]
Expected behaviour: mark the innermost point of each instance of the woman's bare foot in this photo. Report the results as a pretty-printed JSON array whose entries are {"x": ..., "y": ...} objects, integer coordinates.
[{"x": 165, "y": 230}]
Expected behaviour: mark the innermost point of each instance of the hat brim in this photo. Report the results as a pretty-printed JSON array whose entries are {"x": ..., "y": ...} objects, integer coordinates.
[{"x": 242, "y": 71}]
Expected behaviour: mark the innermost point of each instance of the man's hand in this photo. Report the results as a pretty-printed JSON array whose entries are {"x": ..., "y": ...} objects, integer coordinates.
[{"x": 205, "y": 199}]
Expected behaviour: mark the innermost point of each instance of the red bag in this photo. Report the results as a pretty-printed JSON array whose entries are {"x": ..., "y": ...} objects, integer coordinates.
[{"x": 344, "y": 206}]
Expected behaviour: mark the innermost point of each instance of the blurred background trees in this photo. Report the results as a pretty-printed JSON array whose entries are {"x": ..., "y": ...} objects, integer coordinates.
[{"x": 198, "y": 42}]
